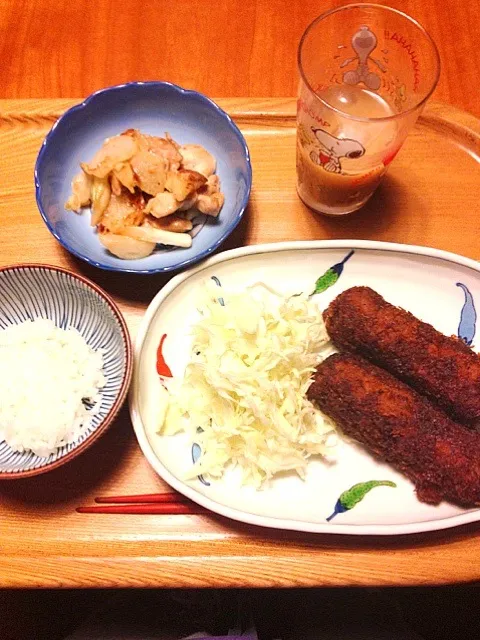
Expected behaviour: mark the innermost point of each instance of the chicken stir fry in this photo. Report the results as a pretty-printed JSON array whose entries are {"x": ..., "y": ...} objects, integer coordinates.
[{"x": 144, "y": 190}]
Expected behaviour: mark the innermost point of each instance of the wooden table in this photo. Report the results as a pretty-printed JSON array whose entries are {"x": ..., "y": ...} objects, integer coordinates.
[
  {"x": 55, "y": 49},
  {"x": 45, "y": 543},
  {"x": 65, "y": 49}
]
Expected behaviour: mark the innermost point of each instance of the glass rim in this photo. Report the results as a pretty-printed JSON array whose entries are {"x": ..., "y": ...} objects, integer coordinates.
[{"x": 364, "y": 5}]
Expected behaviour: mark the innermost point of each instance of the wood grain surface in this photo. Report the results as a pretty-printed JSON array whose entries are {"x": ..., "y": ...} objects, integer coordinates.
[
  {"x": 60, "y": 48},
  {"x": 429, "y": 197}
]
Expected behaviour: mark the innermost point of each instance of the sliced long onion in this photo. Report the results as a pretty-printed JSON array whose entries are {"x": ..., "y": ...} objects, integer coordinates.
[
  {"x": 81, "y": 192},
  {"x": 101, "y": 193},
  {"x": 149, "y": 234}
]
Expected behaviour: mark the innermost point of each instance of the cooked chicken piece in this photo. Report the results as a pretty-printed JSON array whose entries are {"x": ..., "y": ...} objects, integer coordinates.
[
  {"x": 196, "y": 158},
  {"x": 170, "y": 223},
  {"x": 150, "y": 234},
  {"x": 210, "y": 205},
  {"x": 125, "y": 247},
  {"x": 188, "y": 204},
  {"x": 114, "y": 150},
  {"x": 125, "y": 175},
  {"x": 101, "y": 193},
  {"x": 81, "y": 190},
  {"x": 184, "y": 183},
  {"x": 210, "y": 199},
  {"x": 163, "y": 204},
  {"x": 123, "y": 210},
  {"x": 150, "y": 171}
]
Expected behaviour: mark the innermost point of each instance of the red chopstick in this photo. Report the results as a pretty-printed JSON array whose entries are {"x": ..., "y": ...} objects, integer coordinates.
[
  {"x": 150, "y": 498},
  {"x": 167, "y": 503},
  {"x": 152, "y": 509}
]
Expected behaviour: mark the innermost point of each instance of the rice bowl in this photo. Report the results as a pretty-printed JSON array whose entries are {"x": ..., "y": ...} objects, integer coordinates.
[{"x": 33, "y": 292}]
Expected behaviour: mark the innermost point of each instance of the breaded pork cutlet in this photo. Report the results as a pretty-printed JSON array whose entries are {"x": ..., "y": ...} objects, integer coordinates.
[
  {"x": 443, "y": 368},
  {"x": 440, "y": 456}
]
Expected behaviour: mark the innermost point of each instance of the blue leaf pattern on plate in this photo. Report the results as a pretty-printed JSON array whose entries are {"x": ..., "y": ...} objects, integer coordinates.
[
  {"x": 351, "y": 497},
  {"x": 219, "y": 284},
  {"x": 196, "y": 453},
  {"x": 331, "y": 275},
  {"x": 468, "y": 317}
]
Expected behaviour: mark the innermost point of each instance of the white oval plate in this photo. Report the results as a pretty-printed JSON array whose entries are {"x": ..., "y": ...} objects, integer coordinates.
[{"x": 420, "y": 279}]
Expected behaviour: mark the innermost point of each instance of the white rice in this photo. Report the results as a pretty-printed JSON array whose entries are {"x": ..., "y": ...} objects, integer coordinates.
[{"x": 49, "y": 386}]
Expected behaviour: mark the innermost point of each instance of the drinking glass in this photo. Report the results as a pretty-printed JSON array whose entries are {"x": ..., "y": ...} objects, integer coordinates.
[{"x": 366, "y": 72}]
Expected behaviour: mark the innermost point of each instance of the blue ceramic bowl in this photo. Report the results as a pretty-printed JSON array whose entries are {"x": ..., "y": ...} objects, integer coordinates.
[
  {"x": 29, "y": 292},
  {"x": 154, "y": 108}
]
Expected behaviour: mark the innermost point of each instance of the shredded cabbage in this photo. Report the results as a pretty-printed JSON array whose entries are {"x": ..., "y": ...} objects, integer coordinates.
[{"x": 243, "y": 396}]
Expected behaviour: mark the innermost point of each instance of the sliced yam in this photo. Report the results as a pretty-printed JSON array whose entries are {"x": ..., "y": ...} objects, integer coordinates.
[
  {"x": 184, "y": 183},
  {"x": 81, "y": 192},
  {"x": 113, "y": 151},
  {"x": 150, "y": 171},
  {"x": 101, "y": 194},
  {"x": 123, "y": 210},
  {"x": 150, "y": 234},
  {"x": 170, "y": 223},
  {"x": 163, "y": 204},
  {"x": 197, "y": 158},
  {"x": 126, "y": 247}
]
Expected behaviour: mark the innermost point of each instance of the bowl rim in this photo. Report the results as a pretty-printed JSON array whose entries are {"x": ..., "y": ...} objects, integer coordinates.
[
  {"x": 125, "y": 86},
  {"x": 127, "y": 376}
]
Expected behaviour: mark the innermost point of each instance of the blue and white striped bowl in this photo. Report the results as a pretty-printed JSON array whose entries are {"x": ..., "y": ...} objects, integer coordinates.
[{"x": 28, "y": 292}]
